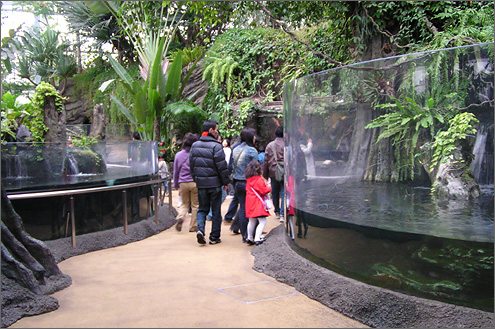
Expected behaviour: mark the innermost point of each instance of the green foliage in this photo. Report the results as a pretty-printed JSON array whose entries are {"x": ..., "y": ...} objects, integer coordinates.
[
  {"x": 83, "y": 142},
  {"x": 37, "y": 125},
  {"x": 467, "y": 25},
  {"x": 11, "y": 112},
  {"x": 86, "y": 84},
  {"x": 189, "y": 55},
  {"x": 330, "y": 39},
  {"x": 447, "y": 142},
  {"x": 185, "y": 116},
  {"x": 219, "y": 69},
  {"x": 230, "y": 125},
  {"x": 419, "y": 25},
  {"x": 256, "y": 57},
  {"x": 404, "y": 125},
  {"x": 44, "y": 53}
]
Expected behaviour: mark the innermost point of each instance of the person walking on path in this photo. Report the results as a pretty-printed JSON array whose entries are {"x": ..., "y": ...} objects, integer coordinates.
[
  {"x": 224, "y": 191},
  {"x": 274, "y": 156},
  {"x": 209, "y": 171},
  {"x": 228, "y": 155},
  {"x": 184, "y": 182},
  {"x": 256, "y": 189},
  {"x": 164, "y": 174},
  {"x": 243, "y": 154},
  {"x": 234, "y": 203}
]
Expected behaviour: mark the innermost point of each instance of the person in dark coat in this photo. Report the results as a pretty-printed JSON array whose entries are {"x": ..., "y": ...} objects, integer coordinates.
[{"x": 209, "y": 171}]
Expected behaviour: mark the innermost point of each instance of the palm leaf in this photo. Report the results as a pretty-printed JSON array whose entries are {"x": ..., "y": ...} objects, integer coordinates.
[
  {"x": 140, "y": 107},
  {"x": 125, "y": 111},
  {"x": 174, "y": 75},
  {"x": 122, "y": 73}
]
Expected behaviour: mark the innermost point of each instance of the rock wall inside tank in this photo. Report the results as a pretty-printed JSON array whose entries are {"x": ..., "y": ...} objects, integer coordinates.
[{"x": 389, "y": 172}]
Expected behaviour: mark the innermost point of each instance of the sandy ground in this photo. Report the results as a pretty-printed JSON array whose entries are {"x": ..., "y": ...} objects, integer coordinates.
[{"x": 169, "y": 280}]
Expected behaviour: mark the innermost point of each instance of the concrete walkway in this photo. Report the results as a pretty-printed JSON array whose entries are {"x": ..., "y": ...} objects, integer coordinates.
[{"x": 170, "y": 281}]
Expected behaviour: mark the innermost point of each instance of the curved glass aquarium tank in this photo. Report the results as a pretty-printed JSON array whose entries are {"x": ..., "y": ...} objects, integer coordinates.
[
  {"x": 389, "y": 172},
  {"x": 30, "y": 169}
]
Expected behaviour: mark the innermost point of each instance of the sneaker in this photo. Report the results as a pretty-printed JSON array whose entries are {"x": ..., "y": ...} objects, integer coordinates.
[
  {"x": 178, "y": 226},
  {"x": 215, "y": 241},
  {"x": 229, "y": 197},
  {"x": 277, "y": 215},
  {"x": 201, "y": 237}
]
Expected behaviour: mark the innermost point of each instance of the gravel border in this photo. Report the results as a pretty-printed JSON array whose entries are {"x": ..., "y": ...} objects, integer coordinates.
[{"x": 373, "y": 306}]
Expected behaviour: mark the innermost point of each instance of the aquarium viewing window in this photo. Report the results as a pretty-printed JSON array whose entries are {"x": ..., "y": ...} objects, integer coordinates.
[{"x": 389, "y": 172}]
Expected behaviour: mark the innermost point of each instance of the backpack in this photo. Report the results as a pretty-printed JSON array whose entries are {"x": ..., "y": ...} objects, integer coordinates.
[{"x": 279, "y": 168}]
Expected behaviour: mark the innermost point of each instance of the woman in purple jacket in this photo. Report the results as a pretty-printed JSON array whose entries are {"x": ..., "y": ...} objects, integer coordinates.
[{"x": 183, "y": 181}]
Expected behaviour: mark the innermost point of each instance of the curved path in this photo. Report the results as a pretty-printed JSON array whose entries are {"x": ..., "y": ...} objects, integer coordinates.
[{"x": 169, "y": 281}]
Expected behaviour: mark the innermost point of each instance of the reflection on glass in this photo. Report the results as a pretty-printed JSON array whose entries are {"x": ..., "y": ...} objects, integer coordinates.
[
  {"x": 43, "y": 166},
  {"x": 390, "y": 172},
  {"x": 76, "y": 164}
]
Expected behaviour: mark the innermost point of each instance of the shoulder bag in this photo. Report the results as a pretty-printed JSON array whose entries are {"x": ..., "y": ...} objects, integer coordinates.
[
  {"x": 266, "y": 201},
  {"x": 231, "y": 176}
]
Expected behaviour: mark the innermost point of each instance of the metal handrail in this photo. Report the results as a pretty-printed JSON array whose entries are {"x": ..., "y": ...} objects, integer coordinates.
[
  {"x": 31, "y": 195},
  {"x": 72, "y": 192}
]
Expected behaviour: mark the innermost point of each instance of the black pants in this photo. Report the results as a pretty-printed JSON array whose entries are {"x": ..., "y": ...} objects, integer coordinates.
[{"x": 234, "y": 204}]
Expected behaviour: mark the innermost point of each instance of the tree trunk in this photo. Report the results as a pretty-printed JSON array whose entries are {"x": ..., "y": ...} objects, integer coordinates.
[
  {"x": 55, "y": 121},
  {"x": 97, "y": 129}
]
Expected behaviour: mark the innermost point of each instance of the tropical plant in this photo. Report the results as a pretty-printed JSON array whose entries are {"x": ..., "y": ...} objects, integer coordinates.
[
  {"x": 98, "y": 25},
  {"x": 182, "y": 117},
  {"x": 161, "y": 83},
  {"x": 404, "y": 125},
  {"x": 219, "y": 69},
  {"x": 36, "y": 124},
  {"x": 13, "y": 114},
  {"x": 43, "y": 53},
  {"x": 447, "y": 142}
]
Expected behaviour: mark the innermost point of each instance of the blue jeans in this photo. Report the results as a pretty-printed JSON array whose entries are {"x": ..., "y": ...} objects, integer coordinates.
[
  {"x": 232, "y": 208},
  {"x": 210, "y": 198},
  {"x": 240, "y": 190},
  {"x": 224, "y": 196},
  {"x": 278, "y": 196}
]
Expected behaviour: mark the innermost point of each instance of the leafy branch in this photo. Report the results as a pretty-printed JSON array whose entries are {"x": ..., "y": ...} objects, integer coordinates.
[
  {"x": 447, "y": 142},
  {"x": 284, "y": 27}
]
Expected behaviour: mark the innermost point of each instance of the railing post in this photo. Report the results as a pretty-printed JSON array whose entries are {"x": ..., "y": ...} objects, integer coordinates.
[
  {"x": 124, "y": 209},
  {"x": 155, "y": 201},
  {"x": 72, "y": 221},
  {"x": 169, "y": 183}
]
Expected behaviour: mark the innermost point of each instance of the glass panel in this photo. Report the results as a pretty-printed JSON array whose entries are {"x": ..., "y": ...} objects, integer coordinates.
[
  {"x": 62, "y": 165},
  {"x": 41, "y": 167},
  {"x": 360, "y": 161}
]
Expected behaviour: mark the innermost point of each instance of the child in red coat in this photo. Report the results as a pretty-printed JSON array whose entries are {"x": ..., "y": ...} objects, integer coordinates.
[{"x": 256, "y": 189}]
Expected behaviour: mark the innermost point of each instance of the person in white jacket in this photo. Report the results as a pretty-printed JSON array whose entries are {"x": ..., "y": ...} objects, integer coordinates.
[{"x": 310, "y": 162}]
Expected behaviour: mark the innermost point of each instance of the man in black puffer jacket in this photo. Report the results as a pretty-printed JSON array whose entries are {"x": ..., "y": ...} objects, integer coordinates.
[{"x": 209, "y": 171}]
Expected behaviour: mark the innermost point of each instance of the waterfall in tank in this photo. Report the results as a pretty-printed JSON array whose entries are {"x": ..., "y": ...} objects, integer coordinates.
[
  {"x": 17, "y": 169},
  {"x": 70, "y": 165},
  {"x": 478, "y": 152}
]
